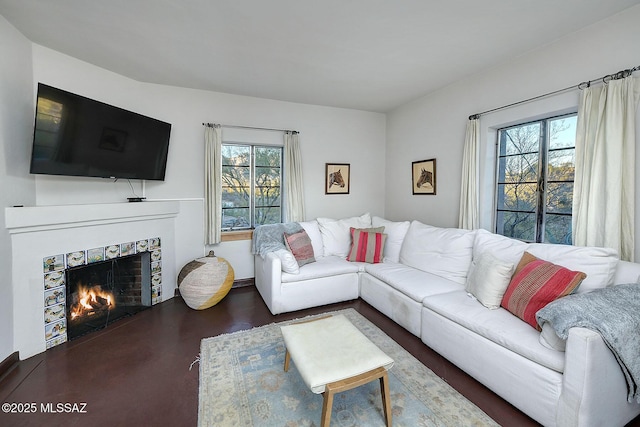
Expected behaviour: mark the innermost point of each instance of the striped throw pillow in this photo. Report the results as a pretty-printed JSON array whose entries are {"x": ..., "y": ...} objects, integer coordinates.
[
  {"x": 535, "y": 284},
  {"x": 299, "y": 244},
  {"x": 367, "y": 245}
]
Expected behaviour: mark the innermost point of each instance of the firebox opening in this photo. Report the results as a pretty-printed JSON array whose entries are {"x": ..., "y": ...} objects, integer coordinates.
[{"x": 98, "y": 294}]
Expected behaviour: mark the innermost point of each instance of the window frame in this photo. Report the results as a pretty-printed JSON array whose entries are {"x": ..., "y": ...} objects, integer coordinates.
[
  {"x": 241, "y": 231},
  {"x": 542, "y": 182}
]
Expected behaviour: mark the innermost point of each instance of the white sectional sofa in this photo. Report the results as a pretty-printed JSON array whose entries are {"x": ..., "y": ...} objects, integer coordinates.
[{"x": 421, "y": 286}]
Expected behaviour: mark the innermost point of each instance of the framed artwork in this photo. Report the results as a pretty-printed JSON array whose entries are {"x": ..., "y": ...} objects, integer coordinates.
[
  {"x": 337, "y": 177},
  {"x": 423, "y": 177}
]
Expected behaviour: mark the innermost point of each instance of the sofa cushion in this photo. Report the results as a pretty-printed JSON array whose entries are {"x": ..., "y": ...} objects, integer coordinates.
[
  {"x": 313, "y": 230},
  {"x": 415, "y": 284},
  {"x": 323, "y": 267},
  {"x": 336, "y": 239},
  {"x": 488, "y": 279},
  {"x": 445, "y": 252},
  {"x": 535, "y": 284},
  {"x": 300, "y": 246},
  {"x": 503, "y": 248},
  {"x": 499, "y": 326},
  {"x": 599, "y": 264},
  {"x": 367, "y": 245},
  {"x": 395, "y": 232}
]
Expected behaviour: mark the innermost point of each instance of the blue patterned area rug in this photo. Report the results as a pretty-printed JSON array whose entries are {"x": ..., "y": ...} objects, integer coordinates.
[{"x": 242, "y": 383}]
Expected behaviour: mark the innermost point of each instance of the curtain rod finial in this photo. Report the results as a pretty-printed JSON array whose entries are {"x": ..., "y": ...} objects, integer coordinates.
[{"x": 474, "y": 117}]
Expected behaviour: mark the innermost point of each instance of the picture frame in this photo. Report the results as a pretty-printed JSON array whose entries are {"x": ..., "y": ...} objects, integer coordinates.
[
  {"x": 337, "y": 178},
  {"x": 423, "y": 177}
]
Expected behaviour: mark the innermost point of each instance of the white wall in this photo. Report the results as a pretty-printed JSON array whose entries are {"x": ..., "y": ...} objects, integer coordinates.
[
  {"x": 326, "y": 135},
  {"x": 17, "y": 187},
  {"x": 434, "y": 126}
]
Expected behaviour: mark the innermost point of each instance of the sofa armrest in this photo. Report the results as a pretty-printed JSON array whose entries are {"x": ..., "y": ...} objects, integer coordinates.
[
  {"x": 268, "y": 279},
  {"x": 594, "y": 391}
]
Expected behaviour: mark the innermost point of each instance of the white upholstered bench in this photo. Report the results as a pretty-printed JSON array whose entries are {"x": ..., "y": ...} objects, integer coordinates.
[{"x": 332, "y": 356}]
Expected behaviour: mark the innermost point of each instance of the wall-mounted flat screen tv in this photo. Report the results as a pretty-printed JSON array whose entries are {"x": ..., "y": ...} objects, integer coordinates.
[{"x": 78, "y": 136}]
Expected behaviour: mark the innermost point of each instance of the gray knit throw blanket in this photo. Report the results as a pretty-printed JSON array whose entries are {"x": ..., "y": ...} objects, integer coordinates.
[
  {"x": 270, "y": 237},
  {"x": 613, "y": 312}
]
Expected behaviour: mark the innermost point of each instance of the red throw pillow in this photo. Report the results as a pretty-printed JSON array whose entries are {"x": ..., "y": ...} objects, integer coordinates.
[
  {"x": 366, "y": 245},
  {"x": 535, "y": 284},
  {"x": 299, "y": 244}
]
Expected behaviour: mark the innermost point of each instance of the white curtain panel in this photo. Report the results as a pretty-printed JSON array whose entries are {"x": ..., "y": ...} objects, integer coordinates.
[
  {"x": 470, "y": 187},
  {"x": 294, "y": 195},
  {"x": 603, "y": 200},
  {"x": 213, "y": 183}
]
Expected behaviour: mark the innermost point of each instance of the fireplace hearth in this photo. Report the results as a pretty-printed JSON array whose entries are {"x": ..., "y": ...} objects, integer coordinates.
[{"x": 101, "y": 293}]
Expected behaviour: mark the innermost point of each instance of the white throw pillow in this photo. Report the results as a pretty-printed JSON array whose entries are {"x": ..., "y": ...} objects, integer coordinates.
[
  {"x": 599, "y": 264},
  {"x": 395, "y": 232},
  {"x": 488, "y": 279},
  {"x": 550, "y": 339},
  {"x": 288, "y": 261},
  {"x": 336, "y": 239},
  {"x": 445, "y": 252}
]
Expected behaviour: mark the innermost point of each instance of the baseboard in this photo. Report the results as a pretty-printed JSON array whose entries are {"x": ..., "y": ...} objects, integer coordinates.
[
  {"x": 241, "y": 283},
  {"x": 9, "y": 363}
]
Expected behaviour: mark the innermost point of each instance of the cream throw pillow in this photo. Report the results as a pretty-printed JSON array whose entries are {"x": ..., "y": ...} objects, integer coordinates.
[
  {"x": 288, "y": 261},
  {"x": 488, "y": 279}
]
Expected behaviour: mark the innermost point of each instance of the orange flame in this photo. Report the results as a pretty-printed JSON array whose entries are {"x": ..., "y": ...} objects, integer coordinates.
[{"x": 91, "y": 299}]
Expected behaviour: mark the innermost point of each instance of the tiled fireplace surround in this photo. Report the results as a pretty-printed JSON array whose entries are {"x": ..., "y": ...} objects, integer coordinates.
[
  {"x": 56, "y": 266},
  {"x": 41, "y": 233}
]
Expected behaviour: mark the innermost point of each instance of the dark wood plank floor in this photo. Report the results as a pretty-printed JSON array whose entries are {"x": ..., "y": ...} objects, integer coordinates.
[{"x": 136, "y": 372}]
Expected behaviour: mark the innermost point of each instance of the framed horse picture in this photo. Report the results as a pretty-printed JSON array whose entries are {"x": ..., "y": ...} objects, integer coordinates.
[
  {"x": 423, "y": 176},
  {"x": 337, "y": 178}
]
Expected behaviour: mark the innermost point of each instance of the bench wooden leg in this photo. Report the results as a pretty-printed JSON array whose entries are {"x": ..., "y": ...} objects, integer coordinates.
[
  {"x": 287, "y": 359},
  {"x": 327, "y": 406},
  {"x": 347, "y": 384},
  {"x": 386, "y": 398}
]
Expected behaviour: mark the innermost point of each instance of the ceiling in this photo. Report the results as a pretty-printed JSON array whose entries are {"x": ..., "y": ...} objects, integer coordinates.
[{"x": 370, "y": 55}]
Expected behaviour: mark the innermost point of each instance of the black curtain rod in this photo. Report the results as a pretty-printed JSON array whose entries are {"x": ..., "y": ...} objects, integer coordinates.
[
  {"x": 605, "y": 79},
  {"x": 210, "y": 125}
]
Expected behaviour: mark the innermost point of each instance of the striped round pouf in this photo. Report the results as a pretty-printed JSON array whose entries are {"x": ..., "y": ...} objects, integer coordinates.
[{"x": 205, "y": 281}]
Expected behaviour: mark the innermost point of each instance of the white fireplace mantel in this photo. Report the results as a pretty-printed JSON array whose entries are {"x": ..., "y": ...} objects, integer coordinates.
[
  {"x": 40, "y": 232},
  {"x": 40, "y": 218}
]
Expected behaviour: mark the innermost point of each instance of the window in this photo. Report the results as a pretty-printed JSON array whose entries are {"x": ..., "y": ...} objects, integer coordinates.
[
  {"x": 251, "y": 186},
  {"x": 536, "y": 165}
]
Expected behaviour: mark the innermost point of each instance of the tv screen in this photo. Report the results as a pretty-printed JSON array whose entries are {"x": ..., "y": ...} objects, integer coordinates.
[{"x": 78, "y": 136}]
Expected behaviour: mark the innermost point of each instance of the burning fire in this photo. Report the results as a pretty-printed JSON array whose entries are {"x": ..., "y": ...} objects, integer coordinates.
[{"x": 92, "y": 300}]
